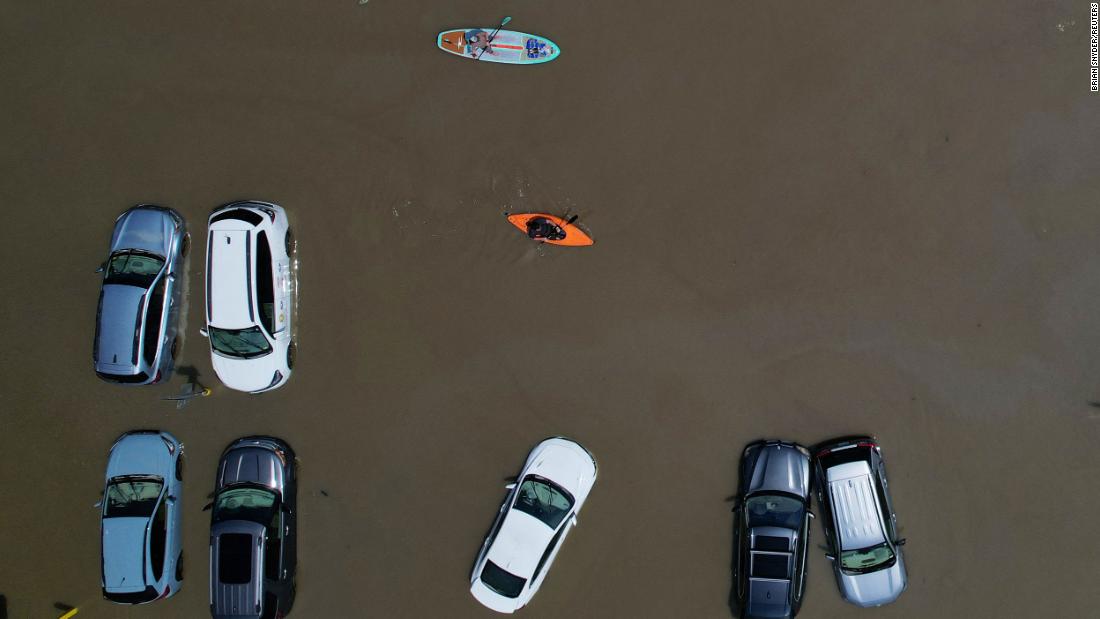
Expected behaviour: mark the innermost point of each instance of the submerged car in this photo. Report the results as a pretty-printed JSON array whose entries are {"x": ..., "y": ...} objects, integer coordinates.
[
  {"x": 141, "y": 512},
  {"x": 137, "y": 316},
  {"x": 249, "y": 295},
  {"x": 772, "y": 530},
  {"x": 859, "y": 520},
  {"x": 253, "y": 530},
  {"x": 538, "y": 512}
]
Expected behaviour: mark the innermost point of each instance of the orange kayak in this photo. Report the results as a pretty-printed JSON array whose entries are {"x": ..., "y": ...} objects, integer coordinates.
[{"x": 574, "y": 236}]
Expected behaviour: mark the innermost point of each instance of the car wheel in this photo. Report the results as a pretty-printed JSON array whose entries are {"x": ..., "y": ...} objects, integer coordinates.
[
  {"x": 174, "y": 349},
  {"x": 179, "y": 567},
  {"x": 289, "y": 240},
  {"x": 185, "y": 247},
  {"x": 291, "y": 353},
  {"x": 179, "y": 468}
]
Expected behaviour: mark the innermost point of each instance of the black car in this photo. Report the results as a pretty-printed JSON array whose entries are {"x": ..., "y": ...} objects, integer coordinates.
[
  {"x": 771, "y": 530},
  {"x": 253, "y": 532}
]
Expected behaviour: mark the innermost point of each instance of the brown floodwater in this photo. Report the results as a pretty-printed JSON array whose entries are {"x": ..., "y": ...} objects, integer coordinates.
[{"x": 810, "y": 220}]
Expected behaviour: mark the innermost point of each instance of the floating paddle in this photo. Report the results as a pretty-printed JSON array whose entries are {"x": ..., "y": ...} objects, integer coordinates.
[{"x": 489, "y": 41}]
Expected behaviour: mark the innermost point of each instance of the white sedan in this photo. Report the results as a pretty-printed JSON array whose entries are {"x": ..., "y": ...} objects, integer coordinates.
[
  {"x": 249, "y": 300},
  {"x": 538, "y": 513}
]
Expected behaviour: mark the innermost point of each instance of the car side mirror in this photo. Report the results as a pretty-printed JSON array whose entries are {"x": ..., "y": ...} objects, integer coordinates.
[
  {"x": 98, "y": 504},
  {"x": 171, "y": 499},
  {"x": 830, "y": 557},
  {"x": 900, "y": 542},
  {"x": 203, "y": 332},
  {"x": 811, "y": 515},
  {"x": 208, "y": 506},
  {"x": 573, "y": 519},
  {"x": 510, "y": 486},
  {"x": 102, "y": 268}
]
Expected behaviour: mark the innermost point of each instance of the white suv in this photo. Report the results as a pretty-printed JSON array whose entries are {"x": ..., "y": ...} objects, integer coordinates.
[{"x": 249, "y": 295}]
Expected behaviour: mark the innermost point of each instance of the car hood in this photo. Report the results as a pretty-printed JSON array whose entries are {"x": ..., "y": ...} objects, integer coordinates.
[
  {"x": 247, "y": 374},
  {"x": 123, "y": 554},
  {"x": 252, "y": 465},
  {"x": 140, "y": 454},
  {"x": 874, "y": 588},
  {"x": 566, "y": 464},
  {"x": 115, "y": 331},
  {"x": 146, "y": 229},
  {"x": 520, "y": 543},
  {"x": 777, "y": 467}
]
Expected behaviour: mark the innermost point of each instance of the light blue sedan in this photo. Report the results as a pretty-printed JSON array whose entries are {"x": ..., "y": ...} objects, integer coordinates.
[{"x": 141, "y": 509}]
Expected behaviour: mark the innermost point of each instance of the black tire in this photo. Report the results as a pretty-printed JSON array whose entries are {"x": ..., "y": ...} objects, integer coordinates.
[
  {"x": 179, "y": 468},
  {"x": 179, "y": 567},
  {"x": 185, "y": 247},
  {"x": 291, "y": 245},
  {"x": 291, "y": 354},
  {"x": 174, "y": 349}
]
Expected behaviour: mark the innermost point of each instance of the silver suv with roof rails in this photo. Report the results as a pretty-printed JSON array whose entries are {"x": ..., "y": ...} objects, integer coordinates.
[
  {"x": 137, "y": 317},
  {"x": 859, "y": 520},
  {"x": 771, "y": 530},
  {"x": 253, "y": 531}
]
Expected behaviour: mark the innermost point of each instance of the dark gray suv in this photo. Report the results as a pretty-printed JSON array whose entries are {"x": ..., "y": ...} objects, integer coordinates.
[
  {"x": 253, "y": 532},
  {"x": 136, "y": 321},
  {"x": 771, "y": 530}
]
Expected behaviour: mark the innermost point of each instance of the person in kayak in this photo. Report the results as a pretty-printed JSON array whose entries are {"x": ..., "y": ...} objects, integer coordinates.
[
  {"x": 477, "y": 40},
  {"x": 542, "y": 229}
]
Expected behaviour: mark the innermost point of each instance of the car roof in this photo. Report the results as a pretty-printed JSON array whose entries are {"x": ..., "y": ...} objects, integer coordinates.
[
  {"x": 124, "y": 550},
  {"x": 122, "y": 309},
  {"x": 229, "y": 279},
  {"x": 229, "y": 599},
  {"x": 855, "y": 505},
  {"x": 520, "y": 543}
]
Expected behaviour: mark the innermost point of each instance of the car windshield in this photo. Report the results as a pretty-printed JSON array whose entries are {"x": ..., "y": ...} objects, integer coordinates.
[
  {"x": 133, "y": 268},
  {"x": 245, "y": 503},
  {"x": 544, "y": 500},
  {"x": 503, "y": 582},
  {"x": 132, "y": 497},
  {"x": 242, "y": 343},
  {"x": 774, "y": 510},
  {"x": 867, "y": 559}
]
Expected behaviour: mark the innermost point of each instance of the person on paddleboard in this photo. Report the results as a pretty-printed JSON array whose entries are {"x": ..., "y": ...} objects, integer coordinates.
[
  {"x": 542, "y": 229},
  {"x": 477, "y": 39}
]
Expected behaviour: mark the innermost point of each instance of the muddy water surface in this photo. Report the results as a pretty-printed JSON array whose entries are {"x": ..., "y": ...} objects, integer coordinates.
[{"x": 810, "y": 221}]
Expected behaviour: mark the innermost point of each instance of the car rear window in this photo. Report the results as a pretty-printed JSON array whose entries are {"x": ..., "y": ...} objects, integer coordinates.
[
  {"x": 235, "y": 559},
  {"x": 503, "y": 582},
  {"x": 140, "y": 377},
  {"x": 238, "y": 214}
]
